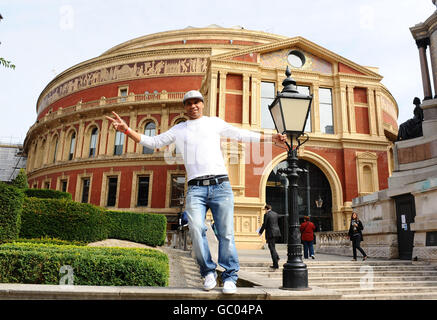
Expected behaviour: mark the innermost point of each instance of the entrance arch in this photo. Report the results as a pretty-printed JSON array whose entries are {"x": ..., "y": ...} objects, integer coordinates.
[{"x": 324, "y": 167}]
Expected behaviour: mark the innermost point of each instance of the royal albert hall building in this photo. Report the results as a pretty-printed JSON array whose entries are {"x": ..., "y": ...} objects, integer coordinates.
[{"x": 352, "y": 125}]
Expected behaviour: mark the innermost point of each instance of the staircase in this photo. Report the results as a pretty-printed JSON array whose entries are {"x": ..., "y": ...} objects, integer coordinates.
[{"x": 382, "y": 280}]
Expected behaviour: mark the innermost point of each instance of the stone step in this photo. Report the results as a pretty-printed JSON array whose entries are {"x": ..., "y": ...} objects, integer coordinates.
[
  {"x": 356, "y": 275},
  {"x": 375, "y": 279},
  {"x": 378, "y": 284},
  {"x": 347, "y": 268},
  {"x": 387, "y": 290},
  {"x": 392, "y": 296},
  {"x": 311, "y": 263}
]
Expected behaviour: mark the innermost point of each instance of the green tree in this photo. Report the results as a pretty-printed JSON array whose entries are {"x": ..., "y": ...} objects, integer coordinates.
[
  {"x": 6, "y": 64},
  {"x": 20, "y": 180}
]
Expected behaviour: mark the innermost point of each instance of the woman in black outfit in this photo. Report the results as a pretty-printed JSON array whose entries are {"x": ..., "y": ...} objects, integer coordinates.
[{"x": 356, "y": 236}]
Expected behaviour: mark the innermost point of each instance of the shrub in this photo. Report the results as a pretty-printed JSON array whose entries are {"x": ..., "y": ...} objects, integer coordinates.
[
  {"x": 47, "y": 194},
  {"x": 41, "y": 264},
  {"x": 48, "y": 240},
  {"x": 11, "y": 202},
  {"x": 63, "y": 219},
  {"x": 147, "y": 228},
  {"x": 20, "y": 180}
]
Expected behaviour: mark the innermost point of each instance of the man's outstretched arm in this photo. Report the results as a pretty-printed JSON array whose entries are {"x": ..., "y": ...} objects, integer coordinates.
[{"x": 120, "y": 125}]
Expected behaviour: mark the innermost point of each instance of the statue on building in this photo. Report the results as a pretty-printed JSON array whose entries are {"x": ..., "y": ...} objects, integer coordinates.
[{"x": 412, "y": 128}]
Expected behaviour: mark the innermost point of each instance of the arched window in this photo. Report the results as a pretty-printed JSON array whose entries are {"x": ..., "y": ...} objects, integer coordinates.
[
  {"x": 149, "y": 130},
  {"x": 93, "y": 143},
  {"x": 119, "y": 142},
  {"x": 72, "y": 146}
]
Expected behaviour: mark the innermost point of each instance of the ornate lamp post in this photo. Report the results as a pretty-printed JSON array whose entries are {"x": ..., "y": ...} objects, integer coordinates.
[{"x": 290, "y": 111}]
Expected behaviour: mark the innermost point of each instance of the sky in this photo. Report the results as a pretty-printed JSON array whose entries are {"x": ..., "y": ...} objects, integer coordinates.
[{"x": 45, "y": 37}]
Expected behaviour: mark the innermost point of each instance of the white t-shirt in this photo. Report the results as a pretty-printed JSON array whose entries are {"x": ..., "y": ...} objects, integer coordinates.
[{"x": 199, "y": 142}]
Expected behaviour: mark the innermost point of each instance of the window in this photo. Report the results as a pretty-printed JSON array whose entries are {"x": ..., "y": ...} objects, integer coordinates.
[
  {"x": 325, "y": 109},
  {"x": 306, "y": 90},
  {"x": 123, "y": 94},
  {"x": 46, "y": 185},
  {"x": 267, "y": 97},
  {"x": 72, "y": 146},
  {"x": 64, "y": 185},
  {"x": 143, "y": 191},
  {"x": 112, "y": 191},
  {"x": 93, "y": 143},
  {"x": 177, "y": 190},
  {"x": 118, "y": 145},
  {"x": 85, "y": 189},
  {"x": 149, "y": 130}
]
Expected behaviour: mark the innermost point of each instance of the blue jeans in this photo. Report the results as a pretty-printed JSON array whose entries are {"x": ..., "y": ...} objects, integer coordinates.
[
  {"x": 308, "y": 248},
  {"x": 220, "y": 199}
]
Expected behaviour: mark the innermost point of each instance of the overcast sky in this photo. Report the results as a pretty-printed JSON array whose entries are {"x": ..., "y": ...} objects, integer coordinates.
[{"x": 45, "y": 37}]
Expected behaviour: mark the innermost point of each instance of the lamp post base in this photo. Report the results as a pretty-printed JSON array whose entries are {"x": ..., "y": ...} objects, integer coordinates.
[{"x": 295, "y": 277}]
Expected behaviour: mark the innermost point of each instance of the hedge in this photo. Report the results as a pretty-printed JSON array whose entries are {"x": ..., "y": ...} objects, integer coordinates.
[
  {"x": 49, "y": 240},
  {"x": 47, "y": 194},
  {"x": 63, "y": 219},
  {"x": 41, "y": 264},
  {"x": 147, "y": 228},
  {"x": 11, "y": 202}
]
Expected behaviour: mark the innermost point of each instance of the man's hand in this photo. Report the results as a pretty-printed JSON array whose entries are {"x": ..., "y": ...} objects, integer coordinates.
[
  {"x": 118, "y": 123},
  {"x": 279, "y": 139}
]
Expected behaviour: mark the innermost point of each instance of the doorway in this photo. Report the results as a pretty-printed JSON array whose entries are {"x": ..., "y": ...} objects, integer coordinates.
[
  {"x": 314, "y": 196},
  {"x": 405, "y": 214}
]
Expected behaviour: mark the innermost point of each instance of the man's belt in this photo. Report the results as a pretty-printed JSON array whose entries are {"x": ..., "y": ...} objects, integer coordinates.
[{"x": 208, "y": 181}]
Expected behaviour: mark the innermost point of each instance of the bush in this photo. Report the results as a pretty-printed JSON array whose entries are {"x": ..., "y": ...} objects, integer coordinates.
[
  {"x": 11, "y": 202},
  {"x": 47, "y": 194},
  {"x": 63, "y": 219},
  {"x": 41, "y": 264},
  {"x": 147, "y": 228},
  {"x": 48, "y": 240},
  {"x": 20, "y": 180}
]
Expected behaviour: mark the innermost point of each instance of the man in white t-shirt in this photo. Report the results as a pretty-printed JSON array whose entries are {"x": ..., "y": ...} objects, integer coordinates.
[{"x": 208, "y": 184}]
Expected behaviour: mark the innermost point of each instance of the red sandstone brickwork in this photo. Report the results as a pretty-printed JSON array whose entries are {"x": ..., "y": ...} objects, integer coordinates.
[
  {"x": 362, "y": 120},
  {"x": 346, "y": 69}
]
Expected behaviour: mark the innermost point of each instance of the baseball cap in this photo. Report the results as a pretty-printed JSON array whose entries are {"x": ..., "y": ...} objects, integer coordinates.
[{"x": 193, "y": 94}]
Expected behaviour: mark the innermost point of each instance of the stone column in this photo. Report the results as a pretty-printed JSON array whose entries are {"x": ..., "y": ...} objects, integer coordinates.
[
  {"x": 256, "y": 84},
  {"x": 133, "y": 125},
  {"x": 372, "y": 111},
  {"x": 103, "y": 137},
  {"x": 315, "y": 106},
  {"x": 351, "y": 108},
  {"x": 245, "y": 100},
  {"x": 79, "y": 139},
  {"x": 422, "y": 44},
  {"x": 212, "y": 99},
  {"x": 222, "y": 98},
  {"x": 379, "y": 114}
]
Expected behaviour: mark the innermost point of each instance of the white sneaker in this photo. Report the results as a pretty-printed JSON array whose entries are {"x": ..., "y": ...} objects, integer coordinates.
[
  {"x": 210, "y": 281},
  {"x": 229, "y": 287}
]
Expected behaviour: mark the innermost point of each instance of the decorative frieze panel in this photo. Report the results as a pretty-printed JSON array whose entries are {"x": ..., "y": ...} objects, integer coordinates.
[{"x": 123, "y": 72}]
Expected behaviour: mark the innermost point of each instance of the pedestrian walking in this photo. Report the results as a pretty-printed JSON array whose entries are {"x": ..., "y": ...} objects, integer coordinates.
[
  {"x": 307, "y": 229},
  {"x": 198, "y": 139},
  {"x": 271, "y": 226},
  {"x": 356, "y": 236}
]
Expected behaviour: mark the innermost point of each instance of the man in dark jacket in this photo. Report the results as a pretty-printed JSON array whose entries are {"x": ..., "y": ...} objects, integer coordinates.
[{"x": 271, "y": 226}]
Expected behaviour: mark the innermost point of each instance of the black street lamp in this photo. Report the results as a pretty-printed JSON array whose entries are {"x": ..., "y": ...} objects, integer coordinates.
[{"x": 290, "y": 111}]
